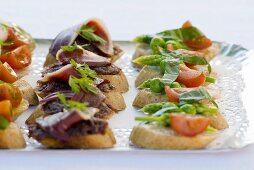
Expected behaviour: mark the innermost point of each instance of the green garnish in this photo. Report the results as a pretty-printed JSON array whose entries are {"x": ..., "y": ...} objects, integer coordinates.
[
  {"x": 210, "y": 79},
  {"x": 3, "y": 122},
  {"x": 83, "y": 83},
  {"x": 210, "y": 129},
  {"x": 83, "y": 69},
  {"x": 73, "y": 47},
  {"x": 70, "y": 104},
  {"x": 5, "y": 43},
  {"x": 88, "y": 33}
]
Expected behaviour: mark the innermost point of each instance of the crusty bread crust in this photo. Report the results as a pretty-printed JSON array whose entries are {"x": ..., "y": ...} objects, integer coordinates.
[
  {"x": 115, "y": 100},
  {"x": 119, "y": 81},
  {"x": 27, "y": 91},
  {"x": 154, "y": 137},
  {"x": 12, "y": 138},
  {"x": 145, "y": 97},
  {"x": 94, "y": 141},
  {"x": 17, "y": 111}
]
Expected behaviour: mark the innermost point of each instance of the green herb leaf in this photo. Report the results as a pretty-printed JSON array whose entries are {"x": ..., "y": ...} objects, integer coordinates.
[
  {"x": 4, "y": 123},
  {"x": 88, "y": 33},
  {"x": 83, "y": 69},
  {"x": 70, "y": 104},
  {"x": 194, "y": 95},
  {"x": 84, "y": 83},
  {"x": 73, "y": 47},
  {"x": 210, "y": 79},
  {"x": 170, "y": 69},
  {"x": 143, "y": 39}
]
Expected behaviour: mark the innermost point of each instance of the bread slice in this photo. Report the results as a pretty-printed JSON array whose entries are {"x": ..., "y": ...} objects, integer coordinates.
[
  {"x": 147, "y": 72},
  {"x": 155, "y": 137},
  {"x": 115, "y": 100},
  {"x": 12, "y": 138},
  {"x": 17, "y": 111},
  {"x": 94, "y": 141},
  {"x": 146, "y": 96},
  {"x": 27, "y": 91},
  {"x": 119, "y": 81}
]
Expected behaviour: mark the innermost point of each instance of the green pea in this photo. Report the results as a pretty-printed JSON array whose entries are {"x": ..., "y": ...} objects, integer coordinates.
[
  {"x": 175, "y": 85},
  {"x": 155, "y": 43},
  {"x": 189, "y": 109},
  {"x": 156, "y": 85}
]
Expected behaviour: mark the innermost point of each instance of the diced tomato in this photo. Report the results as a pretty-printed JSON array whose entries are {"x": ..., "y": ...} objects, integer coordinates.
[
  {"x": 198, "y": 43},
  {"x": 6, "y": 109},
  {"x": 190, "y": 77},
  {"x": 10, "y": 92},
  {"x": 171, "y": 94},
  {"x": 18, "y": 58},
  {"x": 186, "y": 24},
  {"x": 7, "y": 74},
  {"x": 16, "y": 39},
  {"x": 189, "y": 65},
  {"x": 187, "y": 125}
]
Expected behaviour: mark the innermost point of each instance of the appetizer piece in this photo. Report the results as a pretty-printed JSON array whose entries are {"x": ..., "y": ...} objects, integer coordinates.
[
  {"x": 16, "y": 48},
  {"x": 79, "y": 83},
  {"x": 92, "y": 35},
  {"x": 186, "y": 124},
  {"x": 73, "y": 128},
  {"x": 185, "y": 39},
  {"x": 10, "y": 134}
]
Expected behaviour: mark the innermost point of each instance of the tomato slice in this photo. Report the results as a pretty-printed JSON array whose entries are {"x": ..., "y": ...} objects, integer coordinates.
[
  {"x": 171, "y": 94},
  {"x": 10, "y": 92},
  {"x": 190, "y": 77},
  {"x": 18, "y": 58},
  {"x": 16, "y": 39},
  {"x": 187, "y": 24},
  {"x": 7, "y": 73},
  {"x": 187, "y": 125},
  {"x": 198, "y": 43},
  {"x": 6, "y": 109}
]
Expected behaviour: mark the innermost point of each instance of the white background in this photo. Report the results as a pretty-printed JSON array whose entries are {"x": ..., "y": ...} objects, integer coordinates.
[{"x": 228, "y": 20}]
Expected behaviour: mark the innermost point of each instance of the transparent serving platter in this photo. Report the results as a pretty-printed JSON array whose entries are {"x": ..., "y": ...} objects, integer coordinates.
[{"x": 234, "y": 66}]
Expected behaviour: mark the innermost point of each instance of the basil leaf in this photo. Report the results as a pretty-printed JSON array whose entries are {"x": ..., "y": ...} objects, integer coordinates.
[
  {"x": 88, "y": 33},
  {"x": 4, "y": 123},
  {"x": 197, "y": 60},
  {"x": 170, "y": 68},
  {"x": 194, "y": 95}
]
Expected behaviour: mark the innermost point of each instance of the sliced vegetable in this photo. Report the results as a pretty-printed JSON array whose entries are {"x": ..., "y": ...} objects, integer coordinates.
[
  {"x": 18, "y": 58},
  {"x": 152, "y": 60},
  {"x": 10, "y": 92},
  {"x": 7, "y": 73},
  {"x": 210, "y": 79},
  {"x": 198, "y": 43},
  {"x": 187, "y": 125},
  {"x": 155, "y": 43},
  {"x": 171, "y": 94},
  {"x": 190, "y": 77},
  {"x": 154, "y": 107},
  {"x": 187, "y": 24},
  {"x": 6, "y": 109}
]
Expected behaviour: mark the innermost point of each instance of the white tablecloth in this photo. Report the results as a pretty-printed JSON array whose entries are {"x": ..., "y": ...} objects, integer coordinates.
[{"x": 228, "y": 20}]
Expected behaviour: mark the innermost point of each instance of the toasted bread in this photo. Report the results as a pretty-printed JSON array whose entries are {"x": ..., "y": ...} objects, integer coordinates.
[
  {"x": 27, "y": 91},
  {"x": 147, "y": 72},
  {"x": 94, "y": 141},
  {"x": 23, "y": 106},
  {"x": 119, "y": 81},
  {"x": 12, "y": 138},
  {"x": 115, "y": 101},
  {"x": 155, "y": 137}
]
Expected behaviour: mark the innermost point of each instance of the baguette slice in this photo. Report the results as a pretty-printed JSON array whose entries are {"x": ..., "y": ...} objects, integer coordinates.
[
  {"x": 119, "y": 81},
  {"x": 115, "y": 101},
  {"x": 17, "y": 111},
  {"x": 12, "y": 138},
  {"x": 27, "y": 91},
  {"x": 154, "y": 137},
  {"x": 94, "y": 141}
]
